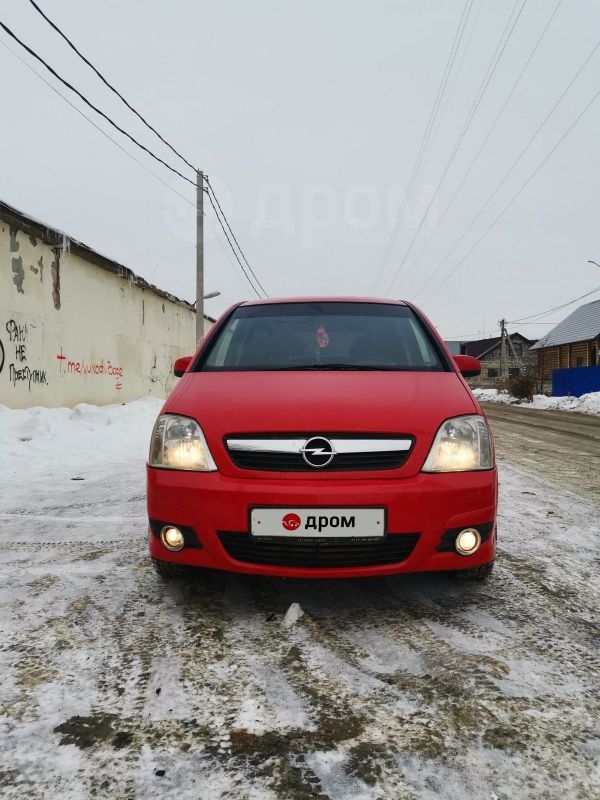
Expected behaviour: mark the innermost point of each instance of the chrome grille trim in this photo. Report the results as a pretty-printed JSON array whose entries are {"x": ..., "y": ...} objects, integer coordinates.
[{"x": 295, "y": 445}]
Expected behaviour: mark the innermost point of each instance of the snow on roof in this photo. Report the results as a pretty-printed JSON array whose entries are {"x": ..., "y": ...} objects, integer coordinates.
[{"x": 580, "y": 326}]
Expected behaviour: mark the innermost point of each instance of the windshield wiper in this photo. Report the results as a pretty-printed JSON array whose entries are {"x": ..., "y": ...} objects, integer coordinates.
[{"x": 308, "y": 367}]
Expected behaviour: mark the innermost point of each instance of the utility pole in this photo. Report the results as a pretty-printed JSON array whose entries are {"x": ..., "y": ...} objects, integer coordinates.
[
  {"x": 502, "y": 324},
  {"x": 199, "y": 256}
]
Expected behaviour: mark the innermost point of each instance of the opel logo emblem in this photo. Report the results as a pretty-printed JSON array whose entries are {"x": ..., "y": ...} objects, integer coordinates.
[{"x": 317, "y": 452}]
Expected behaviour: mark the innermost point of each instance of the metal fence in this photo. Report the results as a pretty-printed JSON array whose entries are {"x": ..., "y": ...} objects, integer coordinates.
[{"x": 576, "y": 381}]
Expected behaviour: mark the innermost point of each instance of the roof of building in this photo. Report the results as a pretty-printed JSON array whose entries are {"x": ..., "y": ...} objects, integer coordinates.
[
  {"x": 580, "y": 326},
  {"x": 481, "y": 347},
  {"x": 57, "y": 238}
]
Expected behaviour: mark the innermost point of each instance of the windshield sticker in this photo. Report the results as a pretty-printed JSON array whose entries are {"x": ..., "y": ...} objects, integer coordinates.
[{"x": 322, "y": 337}]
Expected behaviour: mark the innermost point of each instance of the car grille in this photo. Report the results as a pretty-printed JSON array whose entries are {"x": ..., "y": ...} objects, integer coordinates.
[
  {"x": 446, "y": 544},
  {"x": 322, "y": 553},
  {"x": 284, "y": 453},
  {"x": 284, "y": 462}
]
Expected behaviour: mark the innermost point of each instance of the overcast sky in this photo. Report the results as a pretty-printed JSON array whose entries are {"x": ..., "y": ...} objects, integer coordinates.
[{"x": 308, "y": 117}]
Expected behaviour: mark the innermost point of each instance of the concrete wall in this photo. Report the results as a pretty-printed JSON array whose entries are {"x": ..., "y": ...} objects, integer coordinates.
[{"x": 74, "y": 331}]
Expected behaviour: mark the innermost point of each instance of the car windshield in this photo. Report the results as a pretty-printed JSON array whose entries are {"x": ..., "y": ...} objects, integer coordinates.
[{"x": 322, "y": 336}]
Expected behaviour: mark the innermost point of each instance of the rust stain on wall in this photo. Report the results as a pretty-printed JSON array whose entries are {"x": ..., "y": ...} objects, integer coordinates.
[{"x": 55, "y": 272}]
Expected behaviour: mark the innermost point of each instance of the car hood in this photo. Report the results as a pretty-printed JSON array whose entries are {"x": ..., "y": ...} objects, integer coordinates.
[{"x": 325, "y": 402}]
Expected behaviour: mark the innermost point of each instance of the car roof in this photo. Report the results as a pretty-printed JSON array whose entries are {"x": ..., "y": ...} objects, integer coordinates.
[{"x": 321, "y": 299}]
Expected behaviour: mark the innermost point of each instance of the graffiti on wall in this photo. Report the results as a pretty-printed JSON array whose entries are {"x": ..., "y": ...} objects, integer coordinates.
[
  {"x": 71, "y": 366},
  {"x": 17, "y": 342},
  {"x": 161, "y": 376}
]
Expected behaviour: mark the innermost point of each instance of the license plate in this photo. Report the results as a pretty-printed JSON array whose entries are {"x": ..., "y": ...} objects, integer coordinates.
[{"x": 318, "y": 523}]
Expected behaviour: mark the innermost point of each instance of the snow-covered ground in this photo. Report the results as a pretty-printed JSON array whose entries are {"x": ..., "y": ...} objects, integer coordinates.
[
  {"x": 115, "y": 684},
  {"x": 41, "y": 447},
  {"x": 586, "y": 404}
]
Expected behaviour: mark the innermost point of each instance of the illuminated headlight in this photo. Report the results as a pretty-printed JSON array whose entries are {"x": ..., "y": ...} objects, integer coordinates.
[
  {"x": 461, "y": 444},
  {"x": 178, "y": 443}
]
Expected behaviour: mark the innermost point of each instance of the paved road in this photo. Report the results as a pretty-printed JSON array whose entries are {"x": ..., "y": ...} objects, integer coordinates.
[
  {"x": 118, "y": 685},
  {"x": 563, "y": 447}
]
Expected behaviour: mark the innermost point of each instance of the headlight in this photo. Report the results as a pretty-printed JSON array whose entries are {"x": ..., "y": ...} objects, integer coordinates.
[
  {"x": 178, "y": 443},
  {"x": 461, "y": 444}
]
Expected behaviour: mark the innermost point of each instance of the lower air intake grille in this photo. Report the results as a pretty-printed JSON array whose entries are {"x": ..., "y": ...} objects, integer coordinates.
[
  {"x": 289, "y": 462},
  {"x": 393, "y": 549}
]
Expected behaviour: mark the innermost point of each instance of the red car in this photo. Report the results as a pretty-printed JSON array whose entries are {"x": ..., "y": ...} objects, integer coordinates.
[{"x": 323, "y": 438}]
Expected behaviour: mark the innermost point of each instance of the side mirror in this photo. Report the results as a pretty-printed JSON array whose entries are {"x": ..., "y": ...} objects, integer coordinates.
[
  {"x": 468, "y": 366},
  {"x": 181, "y": 365}
]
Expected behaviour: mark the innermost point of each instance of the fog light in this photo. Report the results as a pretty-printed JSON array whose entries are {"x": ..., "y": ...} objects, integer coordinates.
[
  {"x": 467, "y": 542},
  {"x": 172, "y": 538}
]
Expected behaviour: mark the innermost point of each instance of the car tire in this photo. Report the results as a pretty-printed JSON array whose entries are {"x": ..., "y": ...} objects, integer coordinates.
[
  {"x": 169, "y": 569},
  {"x": 479, "y": 573}
]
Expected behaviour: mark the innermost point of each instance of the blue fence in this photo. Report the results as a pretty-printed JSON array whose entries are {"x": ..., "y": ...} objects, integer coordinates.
[{"x": 576, "y": 382}]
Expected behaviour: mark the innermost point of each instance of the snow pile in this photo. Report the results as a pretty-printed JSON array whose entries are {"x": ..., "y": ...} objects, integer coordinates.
[
  {"x": 50, "y": 445},
  {"x": 586, "y": 404}
]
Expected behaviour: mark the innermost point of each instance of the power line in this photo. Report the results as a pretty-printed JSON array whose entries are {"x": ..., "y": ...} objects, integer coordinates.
[
  {"x": 97, "y": 127},
  {"x": 254, "y": 289},
  {"x": 91, "y": 105},
  {"x": 121, "y": 130},
  {"x": 425, "y": 139},
  {"x": 522, "y": 321},
  {"x": 489, "y": 133},
  {"x": 464, "y": 336},
  {"x": 146, "y": 123},
  {"x": 550, "y": 310},
  {"x": 457, "y": 71},
  {"x": 514, "y": 197},
  {"x": 474, "y": 333},
  {"x": 223, "y": 248},
  {"x": 216, "y": 199},
  {"x": 108, "y": 84},
  {"x": 498, "y": 52},
  {"x": 117, "y": 144},
  {"x": 426, "y": 136},
  {"x": 513, "y": 165}
]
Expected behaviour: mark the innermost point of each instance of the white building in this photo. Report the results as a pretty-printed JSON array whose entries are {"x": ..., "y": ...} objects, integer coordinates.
[{"x": 76, "y": 326}]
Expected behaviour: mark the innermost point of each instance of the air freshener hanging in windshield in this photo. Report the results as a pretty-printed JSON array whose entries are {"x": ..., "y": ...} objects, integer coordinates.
[{"x": 322, "y": 337}]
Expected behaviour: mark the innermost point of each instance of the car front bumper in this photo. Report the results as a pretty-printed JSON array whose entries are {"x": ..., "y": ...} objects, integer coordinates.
[{"x": 208, "y": 504}]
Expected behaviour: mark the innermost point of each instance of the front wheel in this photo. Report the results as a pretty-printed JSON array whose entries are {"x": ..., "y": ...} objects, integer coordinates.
[
  {"x": 169, "y": 569},
  {"x": 479, "y": 573}
]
